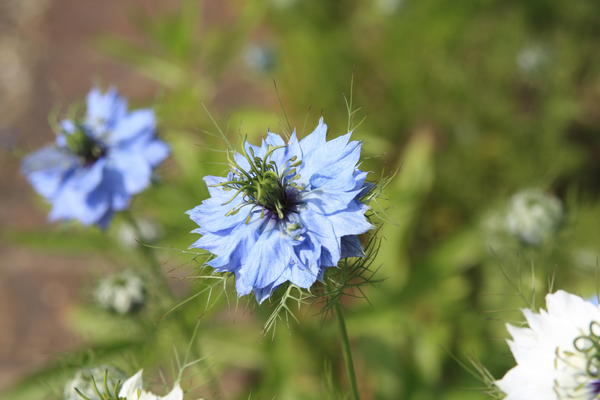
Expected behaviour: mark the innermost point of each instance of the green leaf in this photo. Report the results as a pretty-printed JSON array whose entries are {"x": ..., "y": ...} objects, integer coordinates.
[{"x": 155, "y": 67}]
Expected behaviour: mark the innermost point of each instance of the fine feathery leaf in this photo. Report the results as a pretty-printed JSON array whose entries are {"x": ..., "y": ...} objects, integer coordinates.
[
  {"x": 351, "y": 276},
  {"x": 351, "y": 127},
  {"x": 476, "y": 369},
  {"x": 283, "y": 309}
]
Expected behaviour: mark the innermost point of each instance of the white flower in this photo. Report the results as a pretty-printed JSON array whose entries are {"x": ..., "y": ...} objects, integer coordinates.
[
  {"x": 558, "y": 355},
  {"x": 533, "y": 216},
  {"x": 259, "y": 57},
  {"x": 123, "y": 293},
  {"x": 85, "y": 379},
  {"x": 388, "y": 7},
  {"x": 132, "y": 390},
  {"x": 532, "y": 58},
  {"x": 129, "y": 237},
  {"x": 283, "y": 4}
]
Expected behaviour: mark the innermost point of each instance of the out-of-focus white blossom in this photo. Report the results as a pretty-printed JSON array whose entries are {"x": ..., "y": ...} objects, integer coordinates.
[
  {"x": 259, "y": 57},
  {"x": 283, "y": 4},
  {"x": 388, "y": 7},
  {"x": 533, "y": 216},
  {"x": 129, "y": 237},
  {"x": 531, "y": 58},
  {"x": 122, "y": 293}
]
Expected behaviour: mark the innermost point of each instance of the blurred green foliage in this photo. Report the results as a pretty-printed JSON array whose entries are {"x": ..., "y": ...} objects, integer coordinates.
[{"x": 465, "y": 103}]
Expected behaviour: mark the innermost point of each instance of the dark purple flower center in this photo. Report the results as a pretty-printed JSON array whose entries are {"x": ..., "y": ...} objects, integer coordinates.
[
  {"x": 588, "y": 345},
  {"x": 88, "y": 149},
  {"x": 262, "y": 184},
  {"x": 594, "y": 387}
]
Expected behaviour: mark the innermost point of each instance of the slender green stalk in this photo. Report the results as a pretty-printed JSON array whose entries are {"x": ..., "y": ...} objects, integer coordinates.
[
  {"x": 163, "y": 285},
  {"x": 150, "y": 256},
  {"x": 347, "y": 351}
]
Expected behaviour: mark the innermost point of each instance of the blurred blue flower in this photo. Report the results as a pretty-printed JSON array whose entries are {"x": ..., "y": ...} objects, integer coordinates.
[
  {"x": 260, "y": 58},
  {"x": 97, "y": 162},
  {"x": 285, "y": 212}
]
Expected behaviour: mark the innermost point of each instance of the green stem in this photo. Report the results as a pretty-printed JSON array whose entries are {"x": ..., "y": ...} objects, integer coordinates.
[
  {"x": 347, "y": 351},
  {"x": 163, "y": 285},
  {"x": 150, "y": 256}
]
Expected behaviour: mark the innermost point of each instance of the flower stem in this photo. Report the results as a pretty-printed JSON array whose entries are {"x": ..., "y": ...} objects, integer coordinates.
[
  {"x": 347, "y": 351},
  {"x": 160, "y": 279},
  {"x": 148, "y": 253}
]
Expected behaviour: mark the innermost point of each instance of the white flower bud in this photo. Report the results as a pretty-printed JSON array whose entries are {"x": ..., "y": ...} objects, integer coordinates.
[
  {"x": 260, "y": 58},
  {"x": 283, "y": 4},
  {"x": 533, "y": 216},
  {"x": 388, "y": 7},
  {"x": 530, "y": 59},
  {"x": 122, "y": 293},
  {"x": 128, "y": 237}
]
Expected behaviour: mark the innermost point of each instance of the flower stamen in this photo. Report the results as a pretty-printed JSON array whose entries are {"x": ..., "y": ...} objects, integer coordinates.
[
  {"x": 84, "y": 146},
  {"x": 262, "y": 184}
]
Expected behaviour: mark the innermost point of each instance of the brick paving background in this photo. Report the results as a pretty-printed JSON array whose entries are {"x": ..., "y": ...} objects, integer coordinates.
[{"x": 47, "y": 60}]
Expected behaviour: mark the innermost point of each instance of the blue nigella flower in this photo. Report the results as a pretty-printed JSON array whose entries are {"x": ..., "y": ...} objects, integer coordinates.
[
  {"x": 285, "y": 212},
  {"x": 97, "y": 162}
]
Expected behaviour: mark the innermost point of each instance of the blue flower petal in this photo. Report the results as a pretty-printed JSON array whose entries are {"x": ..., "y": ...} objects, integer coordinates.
[
  {"x": 351, "y": 247},
  {"x": 272, "y": 249},
  {"x": 211, "y": 215},
  {"x": 105, "y": 219},
  {"x": 90, "y": 187},
  {"x": 351, "y": 221},
  {"x": 104, "y": 110},
  {"x": 155, "y": 152},
  {"x": 136, "y": 124},
  {"x": 274, "y": 140},
  {"x": 322, "y": 231},
  {"x": 328, "y": 202},
  {"x": 314, "y": 141},
  {"x": 46, "y": 169},
  {"x": 86, "y": 178},
  {"x": 134, "y": 168},
  {"x": 264, "y": 249},
  {"x": 303, "y": 276},
  {"x": 261, "y": 294},
  {"x": 77, "y": 198},
  {"x": 113, "y": 186},
  {"x": 215, "y": 190}
]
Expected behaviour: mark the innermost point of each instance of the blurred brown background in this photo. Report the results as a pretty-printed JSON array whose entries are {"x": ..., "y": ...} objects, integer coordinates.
[{"x": 47, "y": 60}]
